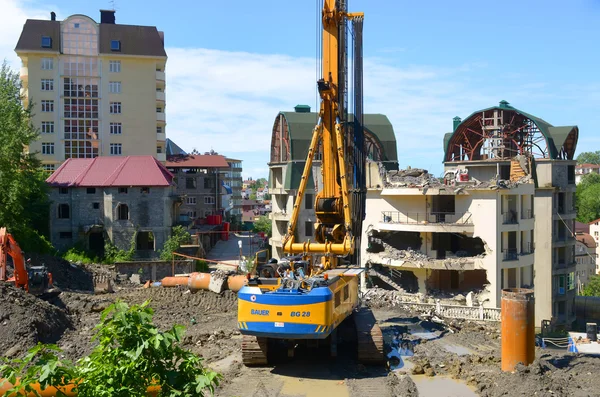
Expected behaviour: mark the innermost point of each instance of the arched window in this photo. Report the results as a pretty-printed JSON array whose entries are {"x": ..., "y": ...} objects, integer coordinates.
[
  {"x": 122, "y": 212},
  {"x": 64, "y": 211}
]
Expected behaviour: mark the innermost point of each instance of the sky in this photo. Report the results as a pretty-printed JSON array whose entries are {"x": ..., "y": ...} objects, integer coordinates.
[{"x": 232, "y": 66}]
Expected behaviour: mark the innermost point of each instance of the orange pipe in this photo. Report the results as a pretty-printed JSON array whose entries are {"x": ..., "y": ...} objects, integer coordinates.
[
  {"x": 235, "y": 283},
  {"x": 174, "y": 281},
  {"x": 198, "y": 281},
  {"x": 518, "y": 328},
  {"x": 67, "y": 390}
]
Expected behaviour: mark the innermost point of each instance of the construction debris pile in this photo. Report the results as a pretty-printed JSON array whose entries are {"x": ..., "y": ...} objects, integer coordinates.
[
  {"x": 413, "y": 177},
  {"x": 422, "y": 260},
  {"x": 378, "y": 297}
]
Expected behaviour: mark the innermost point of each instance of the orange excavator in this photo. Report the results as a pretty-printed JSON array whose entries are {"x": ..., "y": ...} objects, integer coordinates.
[{"x": 33, "y": 279}]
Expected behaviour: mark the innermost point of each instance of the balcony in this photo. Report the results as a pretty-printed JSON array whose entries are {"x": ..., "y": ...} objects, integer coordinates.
[
  {"x": 527, "y": 248},
  {"x": 160, "y": 76},
  {"x": 160, "y": 96},
  {"x": 426, "y": 221},
  {"x": 510, "y": 254},
  {"x": 510, "y": 218},
  {"x": 24, "y": 73},
  {"x": 280, "y": 216},
  {"x": 526, "y": 214},
  {"x": 161, "y": 136},
  {"x": 160, "y": 117}
]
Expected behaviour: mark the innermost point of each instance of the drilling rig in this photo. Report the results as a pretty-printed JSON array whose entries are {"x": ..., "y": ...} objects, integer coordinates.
[{"x": 310, "y": 293}]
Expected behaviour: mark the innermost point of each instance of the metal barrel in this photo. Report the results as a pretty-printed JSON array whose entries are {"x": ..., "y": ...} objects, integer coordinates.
[
  {"x": 518, "y": 328},
  {"x": 175, "y": 281},
  {"x": 591, "y": 330}
]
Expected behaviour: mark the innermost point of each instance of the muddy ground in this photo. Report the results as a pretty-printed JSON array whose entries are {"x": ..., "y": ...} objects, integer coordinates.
[{"x": 462, "y": 360}]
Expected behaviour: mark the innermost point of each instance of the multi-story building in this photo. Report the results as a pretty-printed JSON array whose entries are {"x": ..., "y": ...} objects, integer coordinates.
[
  {"x": 120, "y": 200},
  {"x": 458, "y": 235},
  {"x": 97, "y": 89},
  {"x": 233, "y": 179},
  {"x": 290, "y": 140},
  {"x": 200, "y": 185},
  {"x": 585, "y": 256},
  {"x": 582, "y": 170},
  {"x": 485, "y": 143}
]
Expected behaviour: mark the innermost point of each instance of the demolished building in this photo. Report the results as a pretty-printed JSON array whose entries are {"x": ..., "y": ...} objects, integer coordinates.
[{"x": 501, "y": 216}]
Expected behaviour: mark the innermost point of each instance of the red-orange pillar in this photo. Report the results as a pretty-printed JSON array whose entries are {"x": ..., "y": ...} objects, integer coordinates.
[{"x": 518, "y": 328}]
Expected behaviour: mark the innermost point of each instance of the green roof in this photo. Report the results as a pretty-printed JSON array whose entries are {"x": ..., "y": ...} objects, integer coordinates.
[
  {"x": 301, "y": 126},
  {"x": 555, "y": 136}
]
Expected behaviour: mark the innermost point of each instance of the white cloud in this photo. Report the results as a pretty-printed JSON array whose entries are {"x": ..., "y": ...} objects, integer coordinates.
[{"x": 14, "y": 14}]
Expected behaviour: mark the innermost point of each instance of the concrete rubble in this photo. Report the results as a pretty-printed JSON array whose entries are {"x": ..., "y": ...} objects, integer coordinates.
[{"x": 422, "y": 260}]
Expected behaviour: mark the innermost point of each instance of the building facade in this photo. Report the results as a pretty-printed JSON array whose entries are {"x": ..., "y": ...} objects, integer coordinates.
[
  {"x": 126, "y": 201},
  {"x": 487, "y": 144},
  {"x": 582, "y": 170},
  {"x": 200, "y": 185},
  {"x": 290, "y": 141},
  {"x": 585, "y": 256},
  {"x": 97, "y": 89},
  {"x": 455, "y": 236},
  {"x": 233, "y": 179}
]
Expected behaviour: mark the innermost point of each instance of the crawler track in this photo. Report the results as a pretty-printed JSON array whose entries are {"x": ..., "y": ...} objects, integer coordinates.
[
  {"x": 254, "y": 351},
  {"x": 369, "y": 338}
]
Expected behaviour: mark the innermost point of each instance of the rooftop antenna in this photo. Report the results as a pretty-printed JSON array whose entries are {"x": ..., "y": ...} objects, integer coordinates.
[{"x": 113, "y": 4}]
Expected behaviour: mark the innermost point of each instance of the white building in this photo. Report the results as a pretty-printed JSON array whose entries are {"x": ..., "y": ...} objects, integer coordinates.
[
  {"x": 584, "y": 169},
  {"x": 458, "y": 237}
]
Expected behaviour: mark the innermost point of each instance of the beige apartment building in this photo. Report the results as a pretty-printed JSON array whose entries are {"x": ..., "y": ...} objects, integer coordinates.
[
  {"x": 451, "y": 236},
  {"x": 290, "y": 140},
  {"x": 502, "y": 215},
  {"x": 98, "y": 89}
]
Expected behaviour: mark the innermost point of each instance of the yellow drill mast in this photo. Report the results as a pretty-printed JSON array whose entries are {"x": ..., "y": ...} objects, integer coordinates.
[{"x": 333, "y": 229}]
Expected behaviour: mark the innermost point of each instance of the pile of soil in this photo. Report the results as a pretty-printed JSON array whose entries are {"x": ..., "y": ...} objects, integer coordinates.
[
  {"x": 210, "y": 319},
  {"x": 66, "y": 275},
  {"x": 26, "y": 320}
]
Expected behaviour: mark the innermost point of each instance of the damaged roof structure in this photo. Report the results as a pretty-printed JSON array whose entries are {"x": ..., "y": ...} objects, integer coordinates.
[{"x": 503, "y": 207}]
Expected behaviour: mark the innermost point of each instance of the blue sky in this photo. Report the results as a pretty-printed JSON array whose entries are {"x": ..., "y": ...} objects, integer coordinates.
[{"x": 233, "y": 65}]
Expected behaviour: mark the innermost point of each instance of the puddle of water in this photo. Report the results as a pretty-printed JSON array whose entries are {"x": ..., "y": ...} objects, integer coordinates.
[
  {"x": 441, "y": 386},
  {"x": 457, "y": 349},
  {"x": 314, "y": 387}
]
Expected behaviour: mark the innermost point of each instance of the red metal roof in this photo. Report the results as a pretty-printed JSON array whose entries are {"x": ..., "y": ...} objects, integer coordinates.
[
  {"x": 111, "y": 171},
  {"x": 586, "y": 239},
  {"x": 588, "y": 165},
  {"x": 197, "y": 161}
]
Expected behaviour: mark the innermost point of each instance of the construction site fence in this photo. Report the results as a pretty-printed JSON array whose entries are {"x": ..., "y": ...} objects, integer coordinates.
[{"x": 476, "y": 313}]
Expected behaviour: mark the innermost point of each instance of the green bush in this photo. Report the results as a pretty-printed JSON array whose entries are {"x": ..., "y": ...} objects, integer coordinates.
[
  {"x": 201, "y": 266},
  {"x": 78, "y": 254},
  {"x": 178, "y": 237},
  {"x": 132, "y": 354}
]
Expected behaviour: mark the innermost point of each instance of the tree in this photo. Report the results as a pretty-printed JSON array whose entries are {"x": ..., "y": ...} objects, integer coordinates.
[
  {"x": 178, "y": 237},
  {"x": 263, "y": 224},
  {"x": 132, "y": 355},
  {"x": 589, "y": 157},
  {"x": 588, "y": 198},
  {"x": 24, "y": 205},
  {"x": 593, "y": 287}
]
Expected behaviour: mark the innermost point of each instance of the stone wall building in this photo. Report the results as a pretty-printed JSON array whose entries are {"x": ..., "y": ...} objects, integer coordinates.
[
  {"x": 585, "y": 256},
  {"x": 200, "y": 184},
  {"x": 124, "y": 200}
]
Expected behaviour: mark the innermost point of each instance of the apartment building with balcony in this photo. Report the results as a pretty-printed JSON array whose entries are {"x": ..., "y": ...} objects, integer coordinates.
[
  {"x": 290, "y": 141},
  {"x": 233, "y": 178},
  {"x": 98, "y": 88},
  {"x": 488, "y": 144},
  {"x": 582, "y": 170},
  {"x": 200, "y": 185},
  {"x": 451, "y": 236}
]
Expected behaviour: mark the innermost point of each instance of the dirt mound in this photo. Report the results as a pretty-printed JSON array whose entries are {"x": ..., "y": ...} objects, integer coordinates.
[
  {"x": 26, "y": 320},
  {"x": 66, "y": 275}
]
